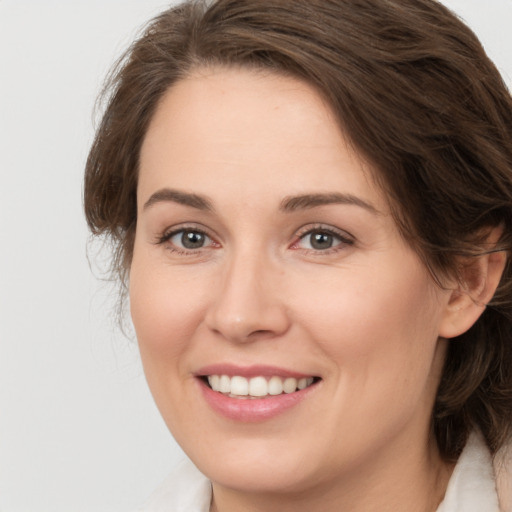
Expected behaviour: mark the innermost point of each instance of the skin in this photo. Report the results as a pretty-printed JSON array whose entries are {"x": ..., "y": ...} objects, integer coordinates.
[{"x": 363, "y": 315}]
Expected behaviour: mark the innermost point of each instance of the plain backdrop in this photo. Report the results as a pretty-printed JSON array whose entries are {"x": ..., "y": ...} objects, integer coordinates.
[{"x": 78, "y": 428}]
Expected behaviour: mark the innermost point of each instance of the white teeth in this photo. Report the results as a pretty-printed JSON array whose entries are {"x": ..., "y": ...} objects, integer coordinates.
[
  {"x": 257, "y": 386},
  {"x": 302, "y": 383},
  {"x": 224, "y": 384},
  {"x": 290, "y": 385},
  {"x": 275, "y": 386},
  {"x": 213, "y": 380},
  {"x": 239, "y": 386}
]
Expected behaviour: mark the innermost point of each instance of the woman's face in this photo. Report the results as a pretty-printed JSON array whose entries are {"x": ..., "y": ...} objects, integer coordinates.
[{"x": 265, "y": 257}]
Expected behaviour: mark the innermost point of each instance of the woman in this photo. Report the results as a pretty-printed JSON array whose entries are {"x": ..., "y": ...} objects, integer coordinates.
[{"x": 311, "y": 205}]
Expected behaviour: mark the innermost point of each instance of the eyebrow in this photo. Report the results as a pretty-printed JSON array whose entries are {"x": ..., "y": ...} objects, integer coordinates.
[
  {"x": 288, "y": 204},
  {"x": 307, "y": 201},
  {"x": 166, "y": 195}
]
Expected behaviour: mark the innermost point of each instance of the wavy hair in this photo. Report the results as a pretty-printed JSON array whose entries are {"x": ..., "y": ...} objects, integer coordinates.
[{"x": 414, "y": 92}]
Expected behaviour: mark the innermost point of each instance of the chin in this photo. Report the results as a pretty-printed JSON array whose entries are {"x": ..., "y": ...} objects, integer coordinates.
[{"x": 272, "y": 476}]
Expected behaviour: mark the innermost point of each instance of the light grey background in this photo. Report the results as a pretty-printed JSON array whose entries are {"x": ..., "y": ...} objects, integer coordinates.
[{"x": 78, "y": 428}]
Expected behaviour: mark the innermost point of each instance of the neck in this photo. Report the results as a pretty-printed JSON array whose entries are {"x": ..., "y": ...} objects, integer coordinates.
[{"x": 416, "y": 482}]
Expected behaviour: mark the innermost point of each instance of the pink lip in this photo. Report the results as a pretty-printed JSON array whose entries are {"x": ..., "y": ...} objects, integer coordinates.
[
  {"x": 251, "y": 410},
  {"x": 248, "y": 371}
]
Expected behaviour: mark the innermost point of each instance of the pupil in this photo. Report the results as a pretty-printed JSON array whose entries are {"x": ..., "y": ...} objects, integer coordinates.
[
  {"x": 321, "y": 241},
  {"x": 192, "y": 240}
]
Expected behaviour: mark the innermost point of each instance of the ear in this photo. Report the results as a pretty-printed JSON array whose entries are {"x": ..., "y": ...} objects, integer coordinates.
[{"x": 480, "y": 278}]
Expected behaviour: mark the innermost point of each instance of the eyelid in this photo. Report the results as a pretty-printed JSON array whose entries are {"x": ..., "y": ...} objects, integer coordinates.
[
  {"x": 344, "y": 236},
  {"x": 170, "y": 232}
]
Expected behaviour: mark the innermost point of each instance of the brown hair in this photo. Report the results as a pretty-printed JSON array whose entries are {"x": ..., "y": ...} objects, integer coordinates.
[{"x": 413, "y": 91}]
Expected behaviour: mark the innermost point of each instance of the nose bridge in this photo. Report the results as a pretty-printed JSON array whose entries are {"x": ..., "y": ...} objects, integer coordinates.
[{"x": 247, "y": 305}]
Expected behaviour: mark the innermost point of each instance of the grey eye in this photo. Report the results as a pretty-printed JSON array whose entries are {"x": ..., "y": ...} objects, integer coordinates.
[
  {"x": 321, "y": 240},
  {"x": 189, "y": 239}
]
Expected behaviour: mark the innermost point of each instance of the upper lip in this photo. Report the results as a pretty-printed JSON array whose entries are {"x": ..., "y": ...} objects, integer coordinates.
[{"x": 249, "y": 371}]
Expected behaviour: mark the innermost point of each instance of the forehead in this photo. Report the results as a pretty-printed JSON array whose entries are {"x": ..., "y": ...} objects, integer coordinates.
[{"x": 249, "y": 129}]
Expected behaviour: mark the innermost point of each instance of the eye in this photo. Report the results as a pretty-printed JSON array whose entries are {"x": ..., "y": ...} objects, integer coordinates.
[
  {"x": 189, "y": 239},
  {"x": 322, "y": 239},
  {"x": 318, "y": 240},
  {"x": 185, "y": 240}
]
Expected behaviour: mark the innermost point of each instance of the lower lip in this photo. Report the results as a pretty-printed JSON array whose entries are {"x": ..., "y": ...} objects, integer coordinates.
[{"x": 253, "y": 410}]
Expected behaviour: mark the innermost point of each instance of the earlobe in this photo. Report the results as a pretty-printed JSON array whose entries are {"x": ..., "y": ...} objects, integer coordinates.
[{"x": 468, "y": 301}]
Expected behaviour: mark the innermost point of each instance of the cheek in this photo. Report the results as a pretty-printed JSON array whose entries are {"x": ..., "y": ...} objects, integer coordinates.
[
  {"x": 166, "y": 309},
  {"x": 380, "y": 336},
  {"x": 377, "y": 323}
]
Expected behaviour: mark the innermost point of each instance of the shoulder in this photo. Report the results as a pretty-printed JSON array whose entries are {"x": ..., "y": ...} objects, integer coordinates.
[{"x": 186, "y": 489}]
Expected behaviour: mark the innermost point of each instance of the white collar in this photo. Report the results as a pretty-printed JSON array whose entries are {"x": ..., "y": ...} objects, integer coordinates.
[{"x": 472, "y": 487}]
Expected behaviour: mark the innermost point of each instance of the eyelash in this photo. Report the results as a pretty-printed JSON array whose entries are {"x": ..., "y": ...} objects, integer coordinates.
[
  {"x": 343, "y": 238},
  {"x": 168, "y": 235}
]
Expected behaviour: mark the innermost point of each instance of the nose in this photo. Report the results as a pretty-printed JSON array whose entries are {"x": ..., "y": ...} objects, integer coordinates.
[{"x": 248, "y": 304}]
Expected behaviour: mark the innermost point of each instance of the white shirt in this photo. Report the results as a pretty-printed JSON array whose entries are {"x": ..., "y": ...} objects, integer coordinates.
[{"x": 471, "y": 488}]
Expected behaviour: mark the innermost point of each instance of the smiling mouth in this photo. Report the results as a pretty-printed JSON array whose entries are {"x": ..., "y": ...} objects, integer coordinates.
[{"x": 257, "y": 387}]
